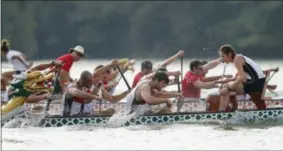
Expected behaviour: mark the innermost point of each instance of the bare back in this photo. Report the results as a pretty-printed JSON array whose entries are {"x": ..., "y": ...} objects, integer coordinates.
[{"x": 139, "y": 91}]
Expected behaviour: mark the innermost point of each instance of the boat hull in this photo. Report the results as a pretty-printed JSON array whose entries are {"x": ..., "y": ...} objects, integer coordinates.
[{"x": 252, "y": 115}]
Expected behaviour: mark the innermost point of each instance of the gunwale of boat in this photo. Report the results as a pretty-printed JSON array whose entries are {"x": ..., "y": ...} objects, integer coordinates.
[{"x": 171, "y": 114}]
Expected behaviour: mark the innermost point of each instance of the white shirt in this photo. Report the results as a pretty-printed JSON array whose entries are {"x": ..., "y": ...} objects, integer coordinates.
[{"x": 17, "y": 64}]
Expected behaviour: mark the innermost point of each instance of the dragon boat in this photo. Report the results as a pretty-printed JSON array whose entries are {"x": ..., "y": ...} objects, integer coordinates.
[
  {"x": 192, "y": 111},
  {"x": 250, "y": 116}
]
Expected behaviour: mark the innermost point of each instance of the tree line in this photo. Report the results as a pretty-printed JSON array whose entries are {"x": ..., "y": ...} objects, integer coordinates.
[{"x": 143, "y": 29}]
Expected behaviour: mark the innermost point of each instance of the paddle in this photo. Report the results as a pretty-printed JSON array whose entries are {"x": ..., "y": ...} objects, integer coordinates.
[
  {"x": 118, "y": 78},
  {"x": 180, "y": 101},
  {"x": 100, "y": 101},
  {"x": 274, "y": 71},
  {"x": 54, "y": 84},
  {"x": 125, "y": 80}
]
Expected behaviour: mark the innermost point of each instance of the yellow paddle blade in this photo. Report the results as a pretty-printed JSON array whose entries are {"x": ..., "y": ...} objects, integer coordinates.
[{"x": 124, "y": 60}]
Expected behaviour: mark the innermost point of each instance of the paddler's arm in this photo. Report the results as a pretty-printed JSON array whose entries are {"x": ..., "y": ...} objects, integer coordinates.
[
  {"x": 78, "y": 93},
  {"x": 110, "y": 85},
  {"x": 164, "y": 94},
  {"x": 44, "y": 66},
  {"x": 112, "y": 76},
  {"x": 102, "y": 70},
  {"x": 212, "y": 64},
  {"x": 238, "y": 62},
  {"x": 173, "y": 58},
  {"x": 24, "y": 56},
  {"x": 170, "y": 73},
  {"x": 113, "y": 98},
  {"x": 16, "y": 57},
  {"x": 215, "y": 78},
  {"x": 204, "y": 85},
  {"x": 149, "y": 99},
  {"x": 271, "y": 70},
  {"x": 129, "y": 65},
  {"x": 36, "y": 98},
  {"x": 225, "y": 81}
]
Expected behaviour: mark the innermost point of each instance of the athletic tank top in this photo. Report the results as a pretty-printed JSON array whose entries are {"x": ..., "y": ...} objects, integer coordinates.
[{"x": 252, "y": 70}]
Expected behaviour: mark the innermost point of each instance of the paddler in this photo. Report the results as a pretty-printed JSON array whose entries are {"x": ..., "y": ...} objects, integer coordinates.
[
  {"x": 79, "y": 96},
  {"x": 250, "y": 81},
  {"x": 147, "y": 68},
  {"x": 161, "y": 92},
  {"x": 158, "y": 92},
  {"x": 108, "y": 73},
  {"x": 16, "y": 58},
  {"x": 195, "y": 79},
  {"x": 101, "y": 70},
  {"x": 142, "y": 94},
  {"x": 213, "y": 100},
  {"x": 75, "y": 54}
]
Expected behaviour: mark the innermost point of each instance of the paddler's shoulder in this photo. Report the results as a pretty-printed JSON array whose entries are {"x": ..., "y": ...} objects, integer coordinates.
[
  {"x": 239, "y": 58},
  {"x": 64, "y": 57}
]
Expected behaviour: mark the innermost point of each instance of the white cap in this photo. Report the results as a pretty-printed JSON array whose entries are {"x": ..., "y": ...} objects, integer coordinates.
[{"x": 79, "y": 49}]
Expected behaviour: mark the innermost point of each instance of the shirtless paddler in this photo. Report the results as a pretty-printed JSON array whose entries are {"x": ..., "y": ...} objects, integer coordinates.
[{"x": 142, "y": 94}]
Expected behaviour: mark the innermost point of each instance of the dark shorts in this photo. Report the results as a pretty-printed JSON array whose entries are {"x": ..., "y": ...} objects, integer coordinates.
[{"x": 254, "y": 87}]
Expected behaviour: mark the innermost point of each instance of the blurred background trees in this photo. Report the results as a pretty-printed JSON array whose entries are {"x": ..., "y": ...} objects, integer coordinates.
[{"x": 145, "y": 29}]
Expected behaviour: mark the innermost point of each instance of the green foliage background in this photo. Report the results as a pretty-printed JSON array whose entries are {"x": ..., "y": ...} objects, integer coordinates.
[{"x": 142, "y": 29}]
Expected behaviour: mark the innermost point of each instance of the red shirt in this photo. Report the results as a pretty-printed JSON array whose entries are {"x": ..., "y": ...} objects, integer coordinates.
[
  {"x": 137, "y": 79},
  {"x": 68, "y": 61},
  {"x": 188, "y": 89}
]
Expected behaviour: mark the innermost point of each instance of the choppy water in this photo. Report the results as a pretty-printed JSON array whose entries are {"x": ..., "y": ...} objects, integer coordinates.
[{"x": 172, "y": 136}]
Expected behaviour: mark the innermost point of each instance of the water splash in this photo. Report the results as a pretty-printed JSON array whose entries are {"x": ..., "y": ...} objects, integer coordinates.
[{"x": 121, "y": 118}]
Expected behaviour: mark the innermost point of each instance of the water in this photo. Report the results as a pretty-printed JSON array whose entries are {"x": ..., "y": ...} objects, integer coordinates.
[
  {"x": 170, "y": 136},
  {"x": 177, "y": 136}
]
